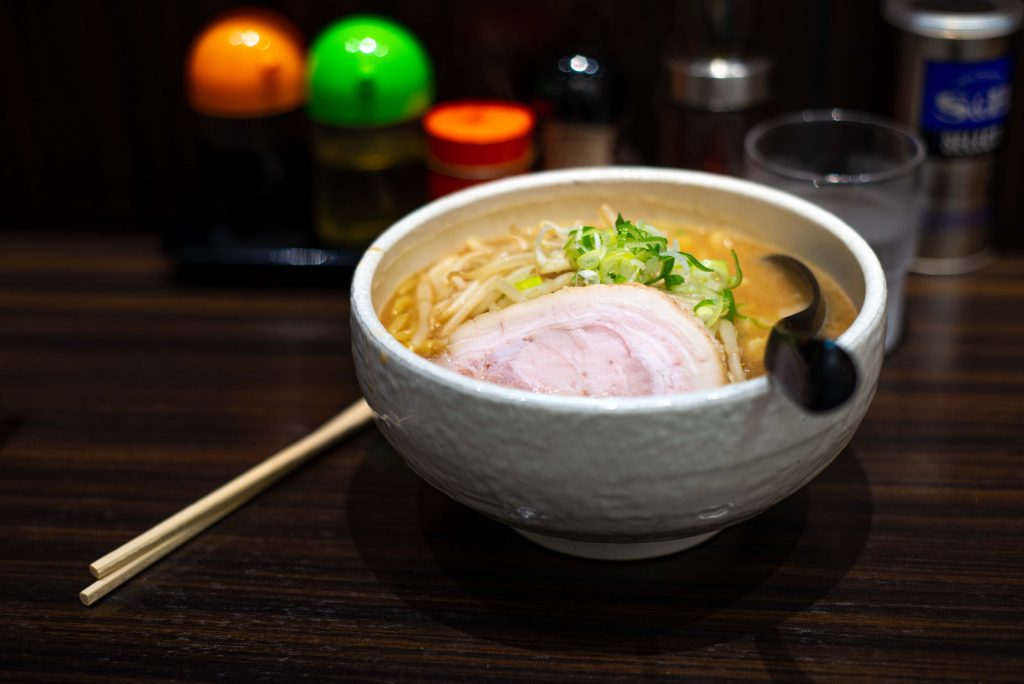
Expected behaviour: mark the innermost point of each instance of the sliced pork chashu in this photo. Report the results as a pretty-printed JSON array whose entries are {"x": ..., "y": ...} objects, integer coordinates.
[{"x": 599, "y": 340}]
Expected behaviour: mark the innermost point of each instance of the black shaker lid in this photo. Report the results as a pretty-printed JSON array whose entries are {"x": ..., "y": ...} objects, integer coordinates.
[{"x": 580, "y": 87}]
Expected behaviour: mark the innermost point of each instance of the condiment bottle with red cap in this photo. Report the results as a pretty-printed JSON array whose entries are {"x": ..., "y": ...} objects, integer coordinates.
[
  {"x": 245, "y": 78},
  {"x": 474, "y": 141}
]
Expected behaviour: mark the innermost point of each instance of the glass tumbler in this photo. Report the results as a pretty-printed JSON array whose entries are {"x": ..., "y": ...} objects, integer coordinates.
[{"x": 863, "y": 168}]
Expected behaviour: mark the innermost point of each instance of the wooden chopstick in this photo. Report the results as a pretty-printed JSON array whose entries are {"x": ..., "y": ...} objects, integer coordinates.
[
  {"x": 127, "y": 560},
  {"x": 115, "y": 578}
]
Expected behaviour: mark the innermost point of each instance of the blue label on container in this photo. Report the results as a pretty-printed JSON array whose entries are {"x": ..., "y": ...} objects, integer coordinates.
[{"x": 965, "y": 106}]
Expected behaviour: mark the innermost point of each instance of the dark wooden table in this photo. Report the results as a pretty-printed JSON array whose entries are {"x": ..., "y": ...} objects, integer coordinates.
[{"x": 125, "y": 395}]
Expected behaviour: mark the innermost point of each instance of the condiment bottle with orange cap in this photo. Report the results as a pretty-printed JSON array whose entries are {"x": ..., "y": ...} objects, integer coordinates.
[
  {"x": 246, "y": 81},
  {"x": 370, "y": 81}
]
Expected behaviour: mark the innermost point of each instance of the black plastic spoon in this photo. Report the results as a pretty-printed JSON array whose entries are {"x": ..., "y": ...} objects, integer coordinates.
[{"x": 815, "y": 373}]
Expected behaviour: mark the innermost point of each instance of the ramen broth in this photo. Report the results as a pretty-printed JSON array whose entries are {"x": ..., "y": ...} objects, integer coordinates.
[{"x": 767, "y": 293}]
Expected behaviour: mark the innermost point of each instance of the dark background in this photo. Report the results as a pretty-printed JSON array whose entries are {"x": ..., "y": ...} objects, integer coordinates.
[{"x": 94, "y": 131}]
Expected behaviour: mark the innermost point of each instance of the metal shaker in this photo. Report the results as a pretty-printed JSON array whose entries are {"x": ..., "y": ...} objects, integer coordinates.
[
  {"x": 953, "y": 86},
  {"x": 711, "y": 103}
]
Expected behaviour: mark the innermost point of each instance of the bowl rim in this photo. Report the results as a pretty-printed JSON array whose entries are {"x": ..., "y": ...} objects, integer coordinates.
[{"x": 871, "y": 313}]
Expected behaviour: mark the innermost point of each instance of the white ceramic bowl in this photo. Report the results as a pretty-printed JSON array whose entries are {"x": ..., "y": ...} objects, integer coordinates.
[{"x": 612, "y": 478}]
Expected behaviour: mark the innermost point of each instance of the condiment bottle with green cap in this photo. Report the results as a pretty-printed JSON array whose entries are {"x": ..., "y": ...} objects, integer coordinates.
[
  {"x": 245, "y": 80},
  {"x": 370, "y": 80}
]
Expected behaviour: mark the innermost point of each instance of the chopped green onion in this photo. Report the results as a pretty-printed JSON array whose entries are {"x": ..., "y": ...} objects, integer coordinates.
[
  {"x": 738, "y": 277},
  {"x": 730, "y": 305},
  {"x": 755, "y": 321},
  {"x": 703, "y": 302},
  {"x": 527, "y": 283},
  {"x": 673, "y": 281},
  {"x": 639, "y": 253},
  {"x": 695, "y": 262}
]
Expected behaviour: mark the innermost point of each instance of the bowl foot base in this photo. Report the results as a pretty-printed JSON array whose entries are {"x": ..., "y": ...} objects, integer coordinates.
[{"x": 616, "y": 552}]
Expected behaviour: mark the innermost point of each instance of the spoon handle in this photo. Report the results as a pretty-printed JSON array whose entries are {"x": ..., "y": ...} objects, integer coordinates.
[
  {"x": 815, "y": 373},
  {"x": 812, "y": 318}
]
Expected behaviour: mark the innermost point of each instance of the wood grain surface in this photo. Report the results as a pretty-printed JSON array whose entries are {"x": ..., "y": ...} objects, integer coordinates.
[{"x": 125, "y": 395}]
